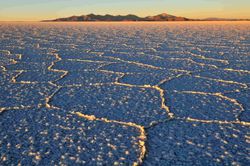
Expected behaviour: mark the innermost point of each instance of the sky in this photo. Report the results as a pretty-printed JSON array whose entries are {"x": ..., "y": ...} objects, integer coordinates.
[{"x": 36, "y": 10}]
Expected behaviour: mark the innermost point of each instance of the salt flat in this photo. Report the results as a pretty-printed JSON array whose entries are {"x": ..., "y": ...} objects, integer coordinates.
[{"x": 125, "y": 93}]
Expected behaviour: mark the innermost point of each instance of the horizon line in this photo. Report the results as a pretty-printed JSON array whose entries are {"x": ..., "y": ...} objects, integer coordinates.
[{"x": 196, "y": 19}]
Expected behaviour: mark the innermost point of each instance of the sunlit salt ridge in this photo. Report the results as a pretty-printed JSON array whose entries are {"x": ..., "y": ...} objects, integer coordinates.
[{"x": 133, "y": 94}]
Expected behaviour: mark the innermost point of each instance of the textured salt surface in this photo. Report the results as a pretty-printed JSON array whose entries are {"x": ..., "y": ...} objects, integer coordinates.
[{"x": 125, "y": 94}]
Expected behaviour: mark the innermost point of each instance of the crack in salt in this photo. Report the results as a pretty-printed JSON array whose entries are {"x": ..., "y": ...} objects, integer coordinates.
[
  {"x": 220, "y": 95},
  {"x": 142, "y": 138}
]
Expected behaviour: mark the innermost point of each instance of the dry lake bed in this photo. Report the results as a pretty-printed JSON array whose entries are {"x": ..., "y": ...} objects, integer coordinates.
[{"x": 125, "y": 93}]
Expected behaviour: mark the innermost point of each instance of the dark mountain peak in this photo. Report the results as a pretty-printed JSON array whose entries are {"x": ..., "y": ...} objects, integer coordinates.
[
  {"x": 164, "y": 15},
  {"x": 92, "y": 15}
]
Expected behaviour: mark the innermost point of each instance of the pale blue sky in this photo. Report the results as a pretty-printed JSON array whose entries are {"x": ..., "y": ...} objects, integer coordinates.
[{"x": 35, "y": 10}]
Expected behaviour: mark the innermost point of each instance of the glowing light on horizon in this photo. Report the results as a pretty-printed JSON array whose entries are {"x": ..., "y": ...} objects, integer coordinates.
[{"x": 30, "y": 10}]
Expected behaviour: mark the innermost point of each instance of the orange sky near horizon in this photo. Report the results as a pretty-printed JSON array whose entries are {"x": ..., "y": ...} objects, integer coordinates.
[{"x": 32, "y": 10}]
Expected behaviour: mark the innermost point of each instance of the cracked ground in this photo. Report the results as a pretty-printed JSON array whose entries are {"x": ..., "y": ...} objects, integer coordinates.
[{"x": 125, "y": 94}]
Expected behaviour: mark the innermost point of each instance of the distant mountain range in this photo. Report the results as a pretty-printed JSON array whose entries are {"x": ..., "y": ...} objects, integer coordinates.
[{"x": 131, "y": 17}]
